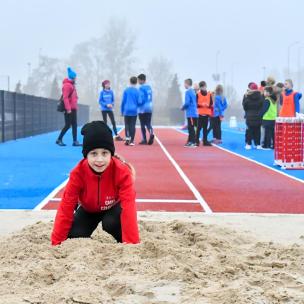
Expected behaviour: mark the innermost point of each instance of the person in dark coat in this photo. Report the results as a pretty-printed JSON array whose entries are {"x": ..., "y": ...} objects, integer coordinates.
[{"x": 253, "y": 104}]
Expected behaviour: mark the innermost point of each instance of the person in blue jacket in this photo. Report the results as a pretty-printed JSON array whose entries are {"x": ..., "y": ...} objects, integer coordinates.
[
  {"x": 145, "y": 110},
  {"x": 219, "y": 107},
  {"x": 131, "y": 100},
  {"x": 106, "y": 102},
  {"x": 190, "y": 107}
]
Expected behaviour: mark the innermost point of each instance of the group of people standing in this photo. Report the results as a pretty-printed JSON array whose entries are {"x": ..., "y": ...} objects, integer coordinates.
[
  {"x": 136, "y": 101},
  {"x": 204, "y": 111},
  {"x": 262, "y": 104}
]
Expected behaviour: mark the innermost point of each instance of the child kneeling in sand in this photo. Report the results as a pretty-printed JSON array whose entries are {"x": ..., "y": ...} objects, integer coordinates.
[{"x": 102, "y": 186}]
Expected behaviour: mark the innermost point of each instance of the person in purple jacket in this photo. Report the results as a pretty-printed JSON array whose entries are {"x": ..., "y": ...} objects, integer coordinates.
[{"x": 106, "y": 102}]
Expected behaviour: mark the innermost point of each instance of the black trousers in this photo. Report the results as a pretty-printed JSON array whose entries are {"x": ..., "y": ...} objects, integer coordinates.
[
  {"x": 145, "y": 122},
  {"x": 202, "y": 124},
  {"x": 216, "y": 127},
  {"x": 192, "y": 125},
  {"x": 130, "y": 123},
  {"x": 70, "y": 120},
  {"x": 105, "y": 115},
  {"x": 211, "y": 123},
  {"x": 247, "y": 135},
  {"x": 85, "y": 223},
  {"x": 269, "y": 133},
  {"x": 254, "y": 134}
]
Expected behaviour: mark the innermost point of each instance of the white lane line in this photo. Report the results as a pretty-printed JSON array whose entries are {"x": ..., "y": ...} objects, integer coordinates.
[
  {"x": 254, "y": 161},
  {"x": 219, "y": 214},
  {"x": 261, "y": 164},
  {"x": 150, "y": 200},
  {"x": 186, "y": 179},
  {"x": 163, "y": 127},
  {"x": 50, "y": 197}
]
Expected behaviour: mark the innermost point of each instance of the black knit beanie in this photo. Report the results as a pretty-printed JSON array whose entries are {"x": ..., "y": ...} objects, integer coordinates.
[{"x": 97, "y": 134}]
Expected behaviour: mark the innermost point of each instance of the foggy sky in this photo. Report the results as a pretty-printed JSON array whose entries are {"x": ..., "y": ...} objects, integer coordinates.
[{"x": 249, "y": 34}]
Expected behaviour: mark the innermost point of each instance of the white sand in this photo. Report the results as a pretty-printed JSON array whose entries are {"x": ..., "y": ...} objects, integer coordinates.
[
  {"x": 285, "y": 229},
  {"x": 183, "y": 258}
]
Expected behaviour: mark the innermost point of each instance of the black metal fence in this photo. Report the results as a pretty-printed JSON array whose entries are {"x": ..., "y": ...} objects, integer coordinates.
[{"x": 24, "y": 115}]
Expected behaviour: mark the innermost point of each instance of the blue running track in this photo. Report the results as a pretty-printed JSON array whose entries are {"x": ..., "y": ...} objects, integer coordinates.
[
  {"x": 32, "y": 167},
  {"x": 234, "y": 141}
]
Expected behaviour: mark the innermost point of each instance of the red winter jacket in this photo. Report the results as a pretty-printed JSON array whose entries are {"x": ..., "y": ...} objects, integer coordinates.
[
  {"x": 69, "y": 94},
  {"x": 96, "y": 193}
]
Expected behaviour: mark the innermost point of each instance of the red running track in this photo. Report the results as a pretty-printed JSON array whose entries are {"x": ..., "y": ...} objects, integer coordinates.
[
  {"x": 230, "y": 183},
  {"x": 227, "y": 183},
  {"x": 159, "y": 187}
]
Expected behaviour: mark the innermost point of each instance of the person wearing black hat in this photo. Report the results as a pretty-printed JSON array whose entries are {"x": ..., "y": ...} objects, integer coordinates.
[{"x": 100, "y": 189}]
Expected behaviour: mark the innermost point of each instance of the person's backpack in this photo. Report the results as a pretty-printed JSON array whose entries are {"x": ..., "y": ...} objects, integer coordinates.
[{"x": 60, "y": 104}]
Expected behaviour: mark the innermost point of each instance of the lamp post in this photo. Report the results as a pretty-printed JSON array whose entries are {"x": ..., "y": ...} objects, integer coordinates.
[
  {"x": 29, "y": 69},
  {"x": 224, "y": 80},
  {"x": 288, "y": 56},
  {"x": 299, "y": 66},
  {"x": 217, "y": 64},
  {"x": 232, "y": 73},
  {"x": 264, "y": 72}
]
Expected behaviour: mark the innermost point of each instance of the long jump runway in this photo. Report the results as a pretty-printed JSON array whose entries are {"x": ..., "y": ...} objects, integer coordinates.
[{"x": 206, "y": 179}]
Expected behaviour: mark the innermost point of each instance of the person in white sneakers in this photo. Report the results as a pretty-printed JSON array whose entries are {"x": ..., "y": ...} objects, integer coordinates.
[{"x": 106, "y": 102}]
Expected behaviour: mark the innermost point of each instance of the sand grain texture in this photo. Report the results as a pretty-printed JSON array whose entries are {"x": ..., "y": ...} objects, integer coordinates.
[{"x": 177, "y": 262}]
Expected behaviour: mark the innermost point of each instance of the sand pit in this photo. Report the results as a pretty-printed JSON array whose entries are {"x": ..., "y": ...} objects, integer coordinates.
[{"x": 177, "y": 262}]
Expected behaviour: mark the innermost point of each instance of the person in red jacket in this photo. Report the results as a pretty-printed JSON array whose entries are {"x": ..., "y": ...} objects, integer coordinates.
[
  {"x": 100, "y": 189},
  {"x": 70, "y": 99}
]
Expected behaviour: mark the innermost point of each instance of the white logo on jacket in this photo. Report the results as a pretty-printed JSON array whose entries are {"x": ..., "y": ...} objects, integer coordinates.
[{"x": 109, "y": 203}]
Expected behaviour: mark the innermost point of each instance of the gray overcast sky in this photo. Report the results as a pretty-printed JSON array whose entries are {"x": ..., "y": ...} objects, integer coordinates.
[{"x": 249, "y": 34}]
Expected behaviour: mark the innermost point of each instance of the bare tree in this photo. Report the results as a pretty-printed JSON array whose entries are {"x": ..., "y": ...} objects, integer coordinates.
[
  {"x": 160, "y": 75},
  {"x": 40, "y": 81},
  {"x": 174, "y": 102},
  {"x": 118, "y": 46},
  {"x": 110, "y": 56},
  {"x": 87, "y": 59},
  {"x": 235, "y": 107},
  {"x": 55, "y": 91},
  {"x": 18, "y": 87}
]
